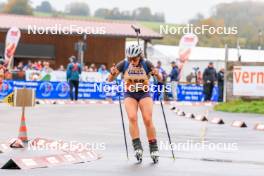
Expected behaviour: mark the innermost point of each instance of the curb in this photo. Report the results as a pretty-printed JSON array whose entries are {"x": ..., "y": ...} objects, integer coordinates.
[{"x": 239, "y": 124}]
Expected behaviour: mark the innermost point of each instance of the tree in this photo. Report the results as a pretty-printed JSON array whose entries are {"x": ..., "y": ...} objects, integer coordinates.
[
  {"x": 249, "y": 18},
  {"x": 102, "y": 13},
  {"x": 22, "y": 7},
  {"x": 196, "y": 19},
  {"x": 114, "y": 14},
  {"x": 78, "y": 9},
  {"x": 159, "y": 17},
  {"x": 142, "y": 14},
  {"x": 45, "y": 6},
  {"x": 1, "y": 6}
]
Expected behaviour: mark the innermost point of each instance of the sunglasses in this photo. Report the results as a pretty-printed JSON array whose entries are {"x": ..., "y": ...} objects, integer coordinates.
[{"x": 134, "y": 59}]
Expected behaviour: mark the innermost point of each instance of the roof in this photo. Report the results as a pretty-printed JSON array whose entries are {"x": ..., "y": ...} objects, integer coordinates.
[
  {"x": 110, "y": 28},
  {"x": 206, "y": 53}
]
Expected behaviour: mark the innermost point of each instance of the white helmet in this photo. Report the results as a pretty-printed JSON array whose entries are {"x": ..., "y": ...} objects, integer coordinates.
[{"x": 133, "y": 51}]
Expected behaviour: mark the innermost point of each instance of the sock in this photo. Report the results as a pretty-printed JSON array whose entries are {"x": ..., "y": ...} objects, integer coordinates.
[
  {"x": 137, "y": 144},
  {"x": 153, "y": 146},
  {"x": 153, "y": 141}
]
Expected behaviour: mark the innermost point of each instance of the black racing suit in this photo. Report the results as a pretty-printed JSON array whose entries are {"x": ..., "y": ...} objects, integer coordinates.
[{"x": 209, "y": 78}]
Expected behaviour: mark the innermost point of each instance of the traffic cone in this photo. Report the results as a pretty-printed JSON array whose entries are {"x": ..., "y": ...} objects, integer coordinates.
[{"x": 23, "y": 130}]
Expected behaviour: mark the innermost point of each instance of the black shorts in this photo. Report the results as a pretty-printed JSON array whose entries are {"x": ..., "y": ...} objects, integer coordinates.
[{"x": 137, "y": 95}]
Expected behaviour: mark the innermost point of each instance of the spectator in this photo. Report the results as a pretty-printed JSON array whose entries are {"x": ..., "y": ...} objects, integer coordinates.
[
  {"x": 92, "y": 68},
  {"x": 61, "y": 68},
  {"x": 47, "y": 68},
  {"x": 103, "y": 69},
  {"x": 199, "y": 77},
  {"x": 19, "y": 67},
  {"x": 34, "y": 65},
  {"x": 209, "y": 80},
  {"x": 73, "y": 75},
  {"x": 190, "y": 77},
  {"x": 86, "y": 68},
  {"x": 174, "y": 77},
  {"x": 160, "y": 84},
  {"x": 39, "y": 65},
  {"x": 29, "y": 66},
  {"x": 220, "y": 81}
]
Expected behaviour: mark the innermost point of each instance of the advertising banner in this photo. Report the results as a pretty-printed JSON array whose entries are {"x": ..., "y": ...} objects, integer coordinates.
[
  {"x": 93, "y": 90},
  {"x": 12, "y": 39},
  {"x": 248, "y": 81}
]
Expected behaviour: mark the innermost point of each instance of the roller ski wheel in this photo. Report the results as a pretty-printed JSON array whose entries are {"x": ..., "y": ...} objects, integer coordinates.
[
  {"x": 139, "y": 155},
  {"x": 155, "y": 157}
]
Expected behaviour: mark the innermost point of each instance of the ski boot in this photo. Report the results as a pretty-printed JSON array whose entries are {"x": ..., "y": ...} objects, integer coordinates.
[
  {"x": 154, "y": 151},
  {"x": 138, "y": 149}
]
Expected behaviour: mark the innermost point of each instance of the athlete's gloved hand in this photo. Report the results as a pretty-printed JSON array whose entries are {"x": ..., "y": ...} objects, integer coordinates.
[
  {"x": 113, "y": 70},
  {"x": 155, "y": 72}
]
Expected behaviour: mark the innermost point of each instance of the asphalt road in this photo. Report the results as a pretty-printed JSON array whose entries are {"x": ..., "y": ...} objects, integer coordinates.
[{"x": 101, "y": 124}]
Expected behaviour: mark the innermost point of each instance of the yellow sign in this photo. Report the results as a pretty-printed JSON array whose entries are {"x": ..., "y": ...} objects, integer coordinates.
[{"x": 9, "y": 99}]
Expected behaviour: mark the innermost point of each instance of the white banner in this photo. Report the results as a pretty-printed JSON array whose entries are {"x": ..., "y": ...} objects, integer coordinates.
[
  {"x": 35, "y": 75},
  {"x": 248, "y": 81},
  {"x": 12, "y": 39},
  {"x": 91, "y": 77}
]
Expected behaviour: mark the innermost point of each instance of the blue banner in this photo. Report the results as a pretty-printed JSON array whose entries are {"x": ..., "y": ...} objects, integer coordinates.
[
  {"x": 194, "y": 92},
  {"x": 94, "y": 90}
]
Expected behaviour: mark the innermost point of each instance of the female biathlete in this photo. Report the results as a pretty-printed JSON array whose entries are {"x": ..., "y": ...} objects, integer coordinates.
[{"x": 136, "y": 73}]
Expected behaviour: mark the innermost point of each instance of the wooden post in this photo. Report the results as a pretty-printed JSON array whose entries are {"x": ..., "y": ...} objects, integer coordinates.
[
  {"x": 23, "y": 111},
  {"x": 145, "y": 48}
]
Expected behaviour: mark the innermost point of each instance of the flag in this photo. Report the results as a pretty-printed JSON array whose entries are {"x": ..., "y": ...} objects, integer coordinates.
[
  {"x": 12, "y": 39},
  {"x": 187, "y": 43}
]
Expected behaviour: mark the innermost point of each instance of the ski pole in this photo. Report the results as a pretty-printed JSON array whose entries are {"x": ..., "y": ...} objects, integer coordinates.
[
  {"x": 166, "y": 124},
  {"x": 137, "y": 30},
  {"x": 123, "y": 124}
]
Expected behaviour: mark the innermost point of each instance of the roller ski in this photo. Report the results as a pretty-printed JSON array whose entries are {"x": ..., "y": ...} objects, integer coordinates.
[
  {"x": 155, "y": 157},
  {"x": 139, "y": 155}
]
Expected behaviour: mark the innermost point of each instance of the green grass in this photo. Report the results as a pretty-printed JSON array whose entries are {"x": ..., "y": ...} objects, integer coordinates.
[
  {"x": 241, "y": 106},
  {"x": 167, "y": 39},
  {"x": 62, "y": 15}
]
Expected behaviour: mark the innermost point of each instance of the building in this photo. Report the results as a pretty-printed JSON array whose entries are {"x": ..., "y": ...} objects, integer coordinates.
[
  {"x": 105, "y": 43},
  {"x": 201, "y": 56}
]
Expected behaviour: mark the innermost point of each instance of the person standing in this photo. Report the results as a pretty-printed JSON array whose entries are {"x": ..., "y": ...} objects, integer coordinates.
[
  {"x": 174, "y": 77},
  {"x": 160, "y": 85},
  {"x": 73, "y": 72},
  {"x": 209, "y": 80},
  {"x": 103, "y": 72},
  {"x": 220, "y": 81},
  {"x": 136, "y": 72}
]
